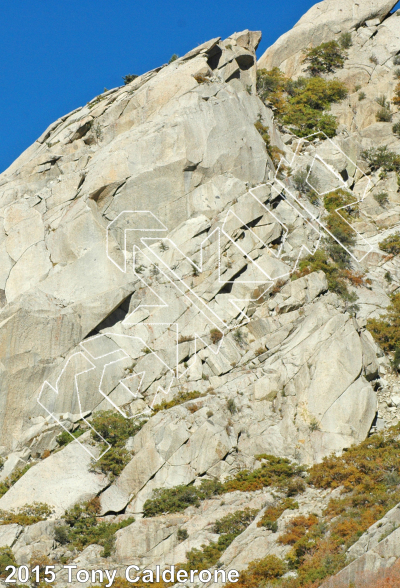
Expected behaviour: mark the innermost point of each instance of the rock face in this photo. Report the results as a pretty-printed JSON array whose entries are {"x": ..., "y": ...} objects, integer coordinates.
[
  {"x": 323, "y": 22},
  {"x": 150, "y": 257},
  {"x": 164, "y": 138}
]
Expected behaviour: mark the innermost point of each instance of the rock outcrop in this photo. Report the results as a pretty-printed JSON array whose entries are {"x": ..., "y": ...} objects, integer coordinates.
[
  {"x": 151, "y": 248},
  {"x": 324, "y": 22}
]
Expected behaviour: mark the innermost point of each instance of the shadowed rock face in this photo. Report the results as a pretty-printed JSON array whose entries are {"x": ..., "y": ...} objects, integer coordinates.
[{"x": 323, "y": 22}]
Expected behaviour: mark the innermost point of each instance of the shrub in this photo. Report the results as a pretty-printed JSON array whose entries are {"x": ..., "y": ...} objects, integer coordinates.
[
  {"x": 301, "y": 103},
  {"x": 382, "y": 198},
  {"x": 337, "y": 222},
  {"x": 216, "y": 336},
  {"x": 396, "y": 60},
  {"x": 273, "y": 151},
  {"x": 170, "y": 500},
  {"x": 373, "y": 59},
  {"x": 297, "y": 529},
  {"x": 6, "y": 559},
  {"x": 231, "y": 406},
  {"x": 113, "y": 461},
  {"x": 396, "y": 99},
  {"x": 295, "y": 486},
  {"x": 40, "y": 560},
  {"x": 336, "y": 275},
  {"x": 239, "y": 337},
  {"x": 345, "y": 40},
  {"x": 271, "y": 86},
  {"x": 381, "y": 157},
  {"x": 173, "y": 57},
  {"x": 396, "y": 129},
  {"x": 325, "y": 58},
  {"x": 129, "y": 78},
  {"x": 1, "y": 463},
  {"x": 12, "y": 479},
  {"x": 260, "y": 572},
  {"x": 386, "y": 329},
  {"x": 362, "y": 96},
  {"x": 396, "y": 73},
  {"x": 229, "y": 527},
  {"x": 274, "y": 471},
  {"x": 384, "y": 115},
  {"x": 181, "y": 398},
  {"x": 314, "y": 425},
  {"x": 200, "y": 78},
  {"x": 272, "y": 513},
  {"x": 182, "y": 534},
  {"x": 391, "y": 244},
  {"x": 65, "y": 437},
  {"x": 82, "y": 528},
  {"x": 302, "y": 180},
  {"x": 305, "y": 110},
  {"x": 114, "y": 429},
  {"x": 61, "y": 534},
  {"x": 381, "y": 100},
  {"x": 26, "y": 515}
]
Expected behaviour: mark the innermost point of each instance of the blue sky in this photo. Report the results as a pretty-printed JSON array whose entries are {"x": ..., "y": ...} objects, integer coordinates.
[{"x": 56, "y": 56}]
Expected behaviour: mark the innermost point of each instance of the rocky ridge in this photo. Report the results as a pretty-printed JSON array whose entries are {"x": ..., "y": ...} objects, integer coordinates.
[{"x": 281, "y": 366}]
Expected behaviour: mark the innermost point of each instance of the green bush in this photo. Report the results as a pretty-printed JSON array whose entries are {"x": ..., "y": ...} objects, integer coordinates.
[
  {"x": 65, "y": 437},
  {"x": 382, "y": 101},
  {"x": 386, "y": 329},
  {"x": 397, "y": 73},
  {"x": 129, "y": 78},
  {"x": 273, "y": 151},
  {"x": 396, "y": 60},
  {"x": 12, "y": 479},
  {"x": 272, "y": 513},
  {"x": 305, "y": 121},
  {"x": 396, "y": 129},
  {"x": 301, "y": 104},
  {"x": 382, "y": 198},
  {"x": 229, "y": 527},
  {"x": 384, "y": 115},
  {"x": 271, "y": 85},
  {"x": 6, "y": 559},
  {"x": 170, "y": 500},
  {"x": 231, "y": 406},
  {"x": 381, "y": 157},
  {"x": 305, "y": 109},
  {"x": 274, "y": 471},
  {"x": 82, "y": 528},
  {"x": 337, "y": 277},
  {"x": 180, "y": 398},
  {"x": 391, "y": 244},
  {"x": 325, "y": 58},
  {"x": 345, "y": 40},
  {"x": 182, "y": 534},
  {"x": 337, "y": 222},
  {"x": 173, "y": 58},
  {"x": 26, "y": 515},
  {"x": 115, "y": 429},
  {"x": 263, "y": 572},
  {"x": 302, "y": 180},
  {"x": 362, "y": 96}
]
